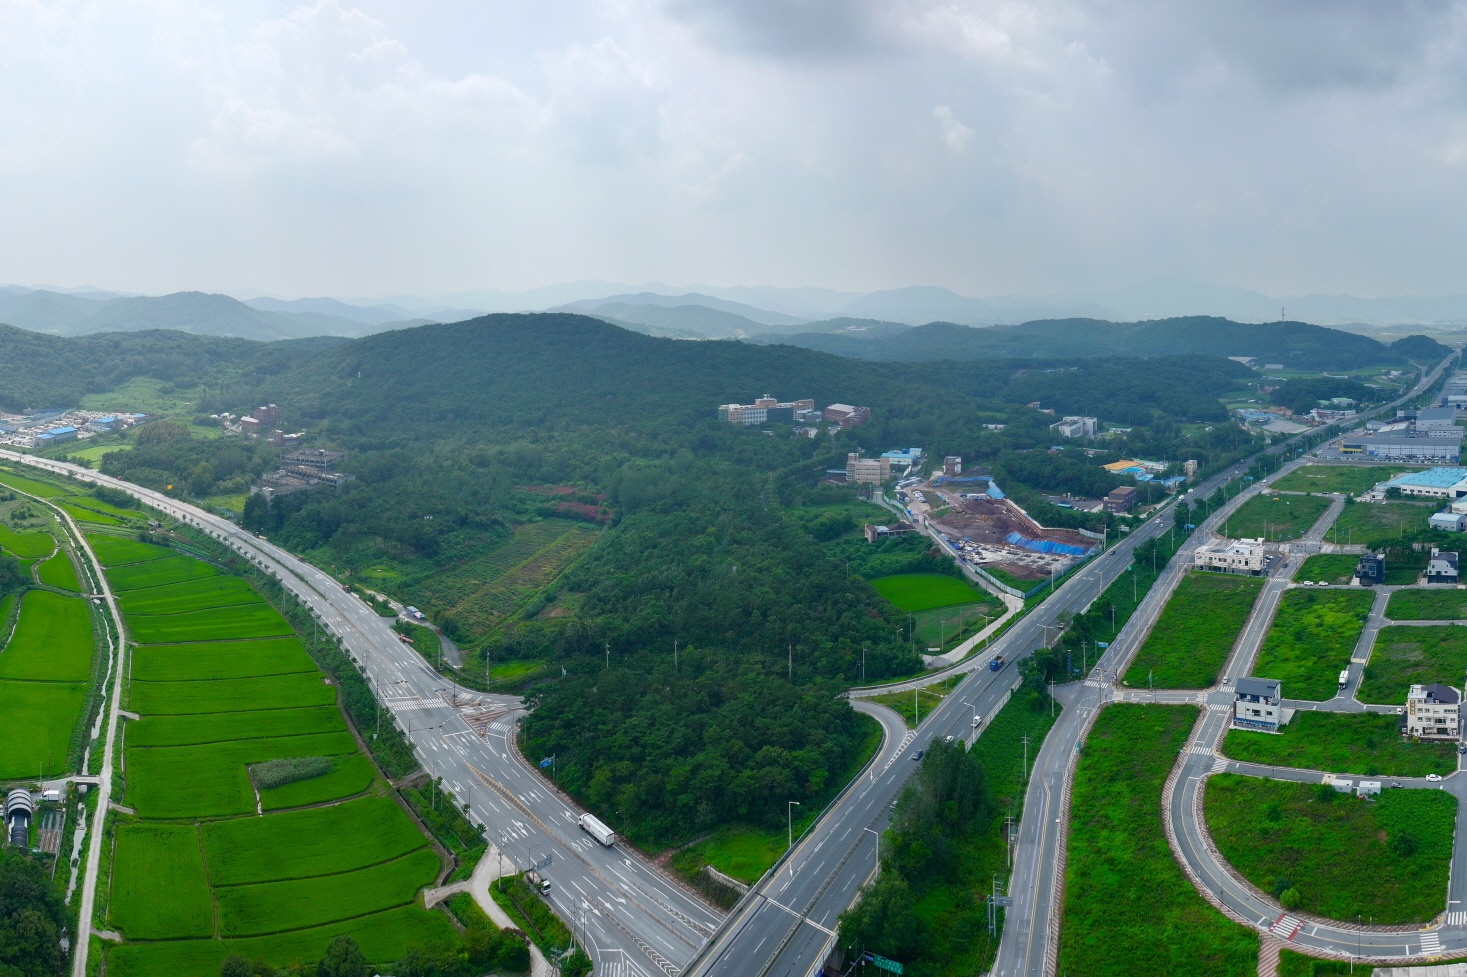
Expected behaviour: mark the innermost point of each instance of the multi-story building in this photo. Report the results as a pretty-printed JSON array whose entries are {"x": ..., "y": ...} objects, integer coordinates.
[
  {"x": 1121, "y": 499},
  {"x": 57, "y": 435},
  {"x": 847, "y": 416},
  {"x": 1242, "y": 556},
  {"x": 1370, "y": 570},
  {"x": 1433, "y": 712},
  {"x": 1258, "y": 704},
  {"x": 765, "y": 410},
  {"x": 317, "y": 458},
  {"x": 952, "y": 465},
  {"x": 1435, "y": 419},
  {"x": 869, "y": 470},
  {"x": 1076, "y": 427}
]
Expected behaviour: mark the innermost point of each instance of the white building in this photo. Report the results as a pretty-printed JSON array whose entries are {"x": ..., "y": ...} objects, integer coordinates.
[
  {"x": 1433, "y": 712},
  {"x": 1076, "y": 427},
  {"x": 1434, "y": 483},
  {"x": 1258, "y": 704},
  {"x": 1230, "y": 556}
]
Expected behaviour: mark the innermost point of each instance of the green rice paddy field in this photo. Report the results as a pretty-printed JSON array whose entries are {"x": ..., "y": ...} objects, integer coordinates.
[
  {"x": 59, "y": 572},
  {"x": 220, "y": 660},
  {"x": 30, "y": 486},
  {"x": 27, "y": 546},
  {"x": 86, "y": 515},
  {"x": 222, "y": 683},
  {"x": 44, "y": 670},
  {"x": 923, "y": 591}
]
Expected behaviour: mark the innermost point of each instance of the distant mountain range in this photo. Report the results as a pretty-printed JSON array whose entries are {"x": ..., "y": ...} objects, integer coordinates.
[
  {"x": 849, "y": 321},
  {"x": 200, "y": 313},
  {"x": 1291, "y": 344}
]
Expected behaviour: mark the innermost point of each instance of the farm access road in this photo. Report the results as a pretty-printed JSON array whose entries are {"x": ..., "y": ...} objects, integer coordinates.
[{"x": 632, "y": 919}]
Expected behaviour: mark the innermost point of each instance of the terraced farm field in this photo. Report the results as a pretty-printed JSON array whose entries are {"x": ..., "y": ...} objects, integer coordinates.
[
  {"x": 26, "y": 546},
  {"x": 216, "y": 699},
  {"x": 191, "y": 595},
  {"x": 59, "y": 572},
  {"x": 30, "y": 486},
  {"x": 112, "y": 551},
  {"x": 159, "y": 573},
  {"x": 220, "y": 660},
  {"x": 257, "y": 620},
  {"x": 44, "y": 671},
  {"x": 86, "y": 515}
]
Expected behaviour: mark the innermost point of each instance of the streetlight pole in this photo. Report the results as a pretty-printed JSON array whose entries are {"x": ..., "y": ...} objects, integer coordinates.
[{"x": 790, "y": 811}]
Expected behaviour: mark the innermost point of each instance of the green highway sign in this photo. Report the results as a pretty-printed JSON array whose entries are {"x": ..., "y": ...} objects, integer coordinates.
[{"x": 884, "y": 963}]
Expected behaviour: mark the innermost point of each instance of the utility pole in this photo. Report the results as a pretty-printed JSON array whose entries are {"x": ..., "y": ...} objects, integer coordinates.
[
  {"x": 608, "y": 654},
  {"x": 790, "y": 810},
  {"x": 1026, "y": 758},
  {"x": 792, "y": 663},
  {"x": 674, "y": 654}
]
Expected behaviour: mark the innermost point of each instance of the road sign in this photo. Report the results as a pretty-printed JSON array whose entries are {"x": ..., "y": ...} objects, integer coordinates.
[
  {"x": 1002, "y": 902},
  {"x": 1102, "y": 644},
  {"x": 543, "y": 863},
  {"x": 884, "y": 963}
]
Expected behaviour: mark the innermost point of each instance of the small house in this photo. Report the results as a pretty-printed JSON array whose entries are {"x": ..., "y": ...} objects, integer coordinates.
[
  {"x": 1442, "y": 568},
  {"x": 1370, "y": 570},
  {"x": 1258, "y": 704}
]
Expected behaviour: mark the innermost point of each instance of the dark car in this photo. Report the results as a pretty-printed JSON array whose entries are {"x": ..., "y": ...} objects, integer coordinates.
[{"x": 918, "y": 754}]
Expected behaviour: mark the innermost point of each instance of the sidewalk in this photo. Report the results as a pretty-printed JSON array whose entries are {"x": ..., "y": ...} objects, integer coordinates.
[{"x": 492, "y": 866}]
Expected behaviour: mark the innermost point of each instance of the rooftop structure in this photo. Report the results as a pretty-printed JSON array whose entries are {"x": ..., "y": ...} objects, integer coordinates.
[
  {"x": 1435, "y": 445},
  {"x": 875, "y": 534},
  {"x": 1076, "y": 427},
  {"x": 1428, "y": 418},
  {"x": 847, "y": 416},
  {"x": 1258, "y": 704},
  {"x": 318, "y": 458},
  {"x": 1242, "y": 556},
  {"x": 1434, "y": 483}
]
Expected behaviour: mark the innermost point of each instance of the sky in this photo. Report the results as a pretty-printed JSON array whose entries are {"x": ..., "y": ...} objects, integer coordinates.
[{"x": 371, "y": 147}]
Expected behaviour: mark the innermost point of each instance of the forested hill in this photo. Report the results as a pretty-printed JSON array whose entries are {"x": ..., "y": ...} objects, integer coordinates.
[
  {"x": 1293, "y": 344},
  {"x": 37, "y": 370},
  {"x": 514, "y": 373}
]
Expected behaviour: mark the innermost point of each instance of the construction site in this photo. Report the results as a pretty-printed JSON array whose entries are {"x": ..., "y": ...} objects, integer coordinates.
[{"x": 988, "y": 530}]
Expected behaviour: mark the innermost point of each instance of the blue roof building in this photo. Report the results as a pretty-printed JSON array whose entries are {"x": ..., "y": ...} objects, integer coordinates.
[{"x": 1434, "y": 483}]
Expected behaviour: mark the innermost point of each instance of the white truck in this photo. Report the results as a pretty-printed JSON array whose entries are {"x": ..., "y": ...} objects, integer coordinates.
[
  {"x": 1344, "y": 678},
  {"x": 593, "y": 827}
]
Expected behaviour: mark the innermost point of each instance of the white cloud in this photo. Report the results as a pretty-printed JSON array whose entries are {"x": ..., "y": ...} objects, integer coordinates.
[
  {"x": 375, "y": 145},
  {"x": 957, "y": 136}
]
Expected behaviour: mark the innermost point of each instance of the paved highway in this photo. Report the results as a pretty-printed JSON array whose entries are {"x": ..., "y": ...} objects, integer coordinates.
[{"x": 633, "y": 919}]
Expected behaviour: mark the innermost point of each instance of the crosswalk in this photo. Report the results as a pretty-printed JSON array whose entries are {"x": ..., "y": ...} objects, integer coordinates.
[
  {"x": 1286, "y": 927},
  {"x": 1201, "y": 750},
  {"x": 1096, "y": 683},
  {"x": 1431, "y": 944},
  {"x": 412, "y": 705},
  {"x": 1457, "y": 918},
  {"x": 1220, "y": 764}
]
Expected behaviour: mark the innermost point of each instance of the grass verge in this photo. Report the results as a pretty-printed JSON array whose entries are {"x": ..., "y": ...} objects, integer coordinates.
[
  {"x": 1365, "y": 743},
  {"x": 1191, "y": 639},
  {"x": 1128, "y": 908},
  {"x": 1312, "y": 638},
  {"x": 1407, "y": 655},
  {"x": 1334, "y": 855}
]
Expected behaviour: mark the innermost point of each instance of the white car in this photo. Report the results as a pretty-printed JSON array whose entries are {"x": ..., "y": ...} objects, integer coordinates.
[{"x": 1434, "y": 777}]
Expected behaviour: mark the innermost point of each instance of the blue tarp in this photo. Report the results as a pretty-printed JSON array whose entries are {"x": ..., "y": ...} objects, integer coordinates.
[
  {"x": 1046, "y": 546},
  {"x": 994, "y": 492}
]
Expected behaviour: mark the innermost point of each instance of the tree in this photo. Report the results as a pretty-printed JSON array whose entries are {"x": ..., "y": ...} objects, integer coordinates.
[
  {"x": 343, "y": 959},
  {"x": 235, "y": 965},
  {"x": 33, "y": 919}
]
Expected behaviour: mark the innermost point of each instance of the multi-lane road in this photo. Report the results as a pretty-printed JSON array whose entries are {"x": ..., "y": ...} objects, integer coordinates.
[{"x": 632, "y": 918}]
